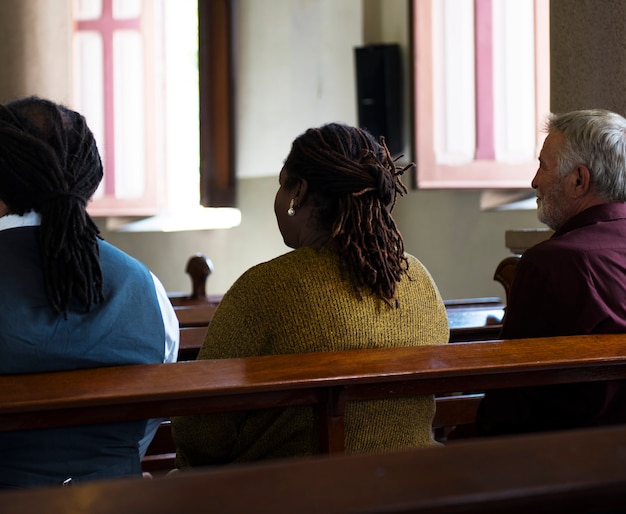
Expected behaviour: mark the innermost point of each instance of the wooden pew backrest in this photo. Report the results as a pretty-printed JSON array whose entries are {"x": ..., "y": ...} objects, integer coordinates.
[
  {"x": 195, "y": 315},
  {"x": 572, "y": 472},
  {"x": 324, "y": 378}
]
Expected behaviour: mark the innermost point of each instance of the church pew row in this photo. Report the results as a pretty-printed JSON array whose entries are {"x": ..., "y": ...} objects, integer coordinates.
[
  {"x": 325, "y": 379},
  {"x": 193, "y": 325},
  {"x": 195, "y": 313},
  {"x": 471, "y": 312},
  {"x": 452, "y": 411},
  {"x": 473, "y": 320},
  {"x": 470, "y": 319},
  {"x": 578, "y": 471},
  {"x": 192, "y": 337},
  {"x": 197, "y": 307}
]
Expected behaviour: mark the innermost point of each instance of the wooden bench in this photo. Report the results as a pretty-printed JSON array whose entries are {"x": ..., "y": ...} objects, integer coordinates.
[
  {"x": 452, "y": 411},
  {"x": 191, "y": 339},
  {"x": 470, "y": 319},
  {"x": 196, "y": 309},
  {"x": 199, "y": 268},
  {"x": 325, "y": 379},
  {"x": 193, "y": 330},
  {"x": 194, "y": 321},
  {"x": 463, "y": 313},
  {"x": 195, "y": 315},
  {"x": 181, "y": 388},
  {"x": 579, "y": 471},
  {"x": 476, "y": 319}
]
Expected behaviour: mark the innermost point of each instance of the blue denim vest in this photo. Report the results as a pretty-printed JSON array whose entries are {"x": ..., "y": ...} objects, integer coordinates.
[{"x": 126, "y": 328}]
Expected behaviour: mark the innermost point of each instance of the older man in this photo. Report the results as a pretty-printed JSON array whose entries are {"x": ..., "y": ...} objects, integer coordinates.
[{"x": 575, "y": 282}]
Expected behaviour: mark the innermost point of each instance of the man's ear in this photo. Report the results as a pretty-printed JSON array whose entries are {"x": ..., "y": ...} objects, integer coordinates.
[{"x": 581, "y": 179}]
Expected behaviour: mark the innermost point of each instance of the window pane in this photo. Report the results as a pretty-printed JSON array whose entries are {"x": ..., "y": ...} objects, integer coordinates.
[
  {"x": 126, "y": 9},
  {"x": 87, "y": 9},
  {"x": 129, "y": 114},
  {"x": 89, "y": 86},
  {"x": 454, "y": 79},
  {"x": 514, "y": 74},
  {"x": 182, "y": 126}
]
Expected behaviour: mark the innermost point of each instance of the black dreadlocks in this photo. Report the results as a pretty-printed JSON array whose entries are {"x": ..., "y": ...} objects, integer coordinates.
[
  {"x": 49, "y": 163},
  {"x": 354, "y": 182}
]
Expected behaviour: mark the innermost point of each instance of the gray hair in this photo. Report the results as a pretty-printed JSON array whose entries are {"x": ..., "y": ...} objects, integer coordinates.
[{"x": 597, "y": 139}]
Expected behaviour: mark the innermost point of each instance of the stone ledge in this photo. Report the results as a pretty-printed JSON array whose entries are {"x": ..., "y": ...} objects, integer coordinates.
[{"x": 519, "y": 240}]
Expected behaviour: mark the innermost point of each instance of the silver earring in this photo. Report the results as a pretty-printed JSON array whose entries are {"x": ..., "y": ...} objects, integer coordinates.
[{"x": 291, "y": 211}]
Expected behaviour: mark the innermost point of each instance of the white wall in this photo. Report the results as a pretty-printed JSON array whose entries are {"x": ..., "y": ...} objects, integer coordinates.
[
  {"x": 295, "y": 70},
  {"x": 460, "y": 245}
]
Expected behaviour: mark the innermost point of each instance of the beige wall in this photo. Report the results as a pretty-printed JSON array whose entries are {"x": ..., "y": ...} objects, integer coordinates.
[
  {"x": 35, "y": 43},
  {"x": 459, "y": 244}
]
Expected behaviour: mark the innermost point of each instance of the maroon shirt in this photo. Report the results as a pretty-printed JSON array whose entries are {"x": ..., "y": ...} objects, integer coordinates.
[{"x": 573, "y": 283}]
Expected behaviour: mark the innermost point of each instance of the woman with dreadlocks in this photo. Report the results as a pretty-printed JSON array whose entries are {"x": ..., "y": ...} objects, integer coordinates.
[
  {"x": 68, "y": 299},
  {"x": 348, "y": 284}
]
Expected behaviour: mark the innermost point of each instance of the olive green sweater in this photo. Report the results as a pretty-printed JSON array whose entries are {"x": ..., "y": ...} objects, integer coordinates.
[{"x": 298, "y": 303}]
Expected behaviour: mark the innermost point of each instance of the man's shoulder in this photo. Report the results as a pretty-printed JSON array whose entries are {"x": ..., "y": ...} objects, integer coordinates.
[
  {"x": 550, "y": 247},
  {"x": 112, "y": 257},
  {"x": 585, "y": 239}
]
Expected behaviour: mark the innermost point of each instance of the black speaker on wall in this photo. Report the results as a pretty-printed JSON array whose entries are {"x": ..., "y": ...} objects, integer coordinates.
[{"x": 379, "y": 92}]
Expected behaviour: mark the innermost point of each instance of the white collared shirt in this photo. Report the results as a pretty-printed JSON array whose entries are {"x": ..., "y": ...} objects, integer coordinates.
[{"x": 30, "y": 219}]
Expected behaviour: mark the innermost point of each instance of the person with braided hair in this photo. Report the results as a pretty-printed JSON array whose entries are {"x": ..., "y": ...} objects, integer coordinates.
[
  {"x": 68, "y": 299},
  {"x": 347, "y": 284}
]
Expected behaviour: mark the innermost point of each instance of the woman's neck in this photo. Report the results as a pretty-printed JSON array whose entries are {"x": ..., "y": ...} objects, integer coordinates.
[{"x": 317, "y": 239}]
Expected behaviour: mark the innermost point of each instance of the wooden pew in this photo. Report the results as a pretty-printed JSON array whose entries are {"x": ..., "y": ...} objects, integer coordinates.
[
  {"x": 505, "y": 272},
  {"x": 470, "y": 319},
  {"x": 199, "y": 268},
  {"x": 580, "y": 471},
  {"x": 452, "y": 411},
  {"x": 325, "y": 379},
  {"x": 464, "y": 313},
  {"x": 196, "y": 309},
  {"x": 191, "y": 339},
  {"x": 195, "y": 315},
  {"x": 194, "y": 322},
  {"x": 474, "y": 312},
  {"x": 476, "y": 319}
]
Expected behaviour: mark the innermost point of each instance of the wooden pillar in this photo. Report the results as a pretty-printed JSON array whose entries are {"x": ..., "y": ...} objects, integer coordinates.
[
  {"x": 588, "y": 55},
  {"x": 36, "y": 49}
]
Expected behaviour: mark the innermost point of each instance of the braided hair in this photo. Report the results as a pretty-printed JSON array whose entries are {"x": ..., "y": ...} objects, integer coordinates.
[
  {"x": 50, "y": 164},
  {"x": 354, "y": 182}
]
